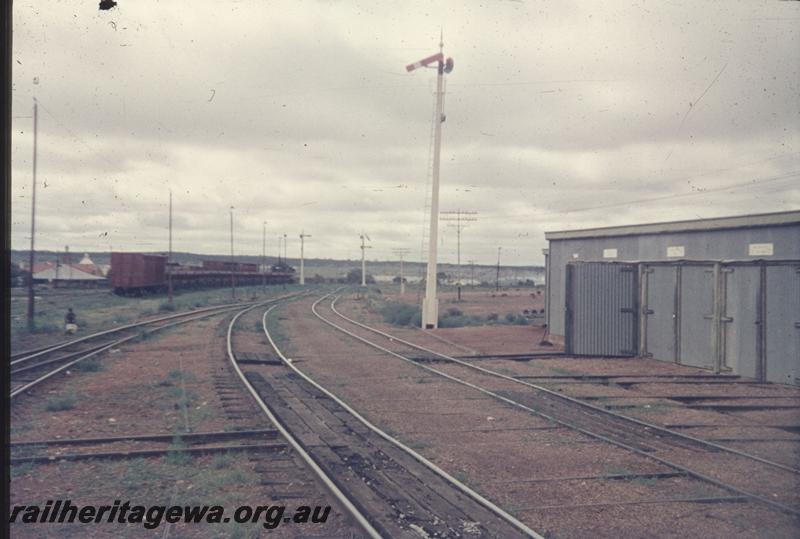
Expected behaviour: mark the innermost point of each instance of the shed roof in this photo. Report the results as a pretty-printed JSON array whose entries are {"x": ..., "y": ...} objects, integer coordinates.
[
  {"x": 694, "y": 225},
  {"x": 65, "y": 272}
]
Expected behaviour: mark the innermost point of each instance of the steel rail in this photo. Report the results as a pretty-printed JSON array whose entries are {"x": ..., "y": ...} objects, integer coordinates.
[
  {"x": 360, "y": 518},
  {"x": 516, "y": 523},
  {"x": 675, "y": 466},
  {"x": 54, "y": 360},
  {"x": 573, "y": 400},
  {"x": 103, "y": 348},
  {"x": 199, "y": 314},
  {"x": 31, "y": 354}
]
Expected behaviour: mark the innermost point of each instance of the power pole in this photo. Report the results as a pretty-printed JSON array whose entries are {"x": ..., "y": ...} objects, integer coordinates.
[
  {"x": 264, "y": 256},
  {"x": 32, "y": 255},
  {"x": 303, "y": 235},
  {"x": 363, "y": 259},
  {"x": 497, "y": 277},
  {"x": 460, "y": 218},
  {"x": 401, "y": 253},
  {"x": 430, "y": 303},
  {"x": 169, "y": 256},
  {"x": 233, "y": 276}
]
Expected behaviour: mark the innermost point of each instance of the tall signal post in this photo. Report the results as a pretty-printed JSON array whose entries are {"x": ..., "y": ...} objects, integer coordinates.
[
  {"x": 401, "y": 252},
  {"x": 32, "y": 254},
  {"x": 363, "y": 258},
  {"x": 430, "y": 303},
  {"x": 460, "y": 219},
  {"x": 303, "y": 236}
]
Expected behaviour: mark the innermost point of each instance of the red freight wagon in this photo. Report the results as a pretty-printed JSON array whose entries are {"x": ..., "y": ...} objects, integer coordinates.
[
  {"x": 137, "y": 272},
  {"x": 218, "y": 265}
]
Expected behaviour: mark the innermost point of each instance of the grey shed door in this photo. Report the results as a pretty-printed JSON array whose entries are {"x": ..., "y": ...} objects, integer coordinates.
[
  {"x": 661, "y": 311},
  {"x": 697, "y": 306},
  {"x": 601, "y": 309},
  {"x": 783, "y": 324},
  {"x": 741, "y": 327}
]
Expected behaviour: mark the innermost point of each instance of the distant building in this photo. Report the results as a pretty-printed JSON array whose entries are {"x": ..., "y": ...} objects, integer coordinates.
[
  {"x": 68, "y": 275},
  {"x": 722, "y": 294}
]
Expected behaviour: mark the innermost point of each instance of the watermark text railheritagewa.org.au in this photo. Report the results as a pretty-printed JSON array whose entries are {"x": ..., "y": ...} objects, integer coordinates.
[{"x": 152, "y": 516}]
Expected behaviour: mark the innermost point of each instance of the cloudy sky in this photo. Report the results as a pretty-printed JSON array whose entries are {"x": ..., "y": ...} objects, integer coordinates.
[{"x": 560, "y": 115}]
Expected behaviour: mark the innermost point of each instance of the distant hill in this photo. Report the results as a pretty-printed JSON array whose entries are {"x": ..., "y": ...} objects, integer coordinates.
[{"x": 328, "y": 268}]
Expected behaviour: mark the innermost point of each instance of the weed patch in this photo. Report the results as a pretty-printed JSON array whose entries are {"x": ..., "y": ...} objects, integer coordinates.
[
  {"x": 61, "y": 403},
  {"x": 401, "y": 314},
  {"x": 89, "y": 365}
]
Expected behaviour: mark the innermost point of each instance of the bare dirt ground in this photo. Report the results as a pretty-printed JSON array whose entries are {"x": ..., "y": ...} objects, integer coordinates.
[
  {"x": 659, "y": 392},
  {"x": 546, "y": 475},
  {"x": 169, "y": 384},
  {"x": 498, "y": 338}
]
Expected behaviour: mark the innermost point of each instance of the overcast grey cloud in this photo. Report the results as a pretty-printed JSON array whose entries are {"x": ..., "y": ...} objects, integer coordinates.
[{"x": 559, "y": 115}]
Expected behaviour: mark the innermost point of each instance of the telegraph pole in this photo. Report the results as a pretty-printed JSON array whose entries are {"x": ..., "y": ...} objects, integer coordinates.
[
  {"x": 401, "y": 253},
  {"x": 169, "y": 256},
  {"x": 460, "y": 217},
  {"x": 264, "y": 256},
  {"x": 363, "y": 259},
  {"x": 303, "y": 235},
  {"x": 430, "y": 303},
  {"x": 233, "y": 276},
  {"x": 32, "y": 256}
]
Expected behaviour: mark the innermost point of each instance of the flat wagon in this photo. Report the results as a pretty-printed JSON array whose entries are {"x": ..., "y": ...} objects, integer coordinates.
[{"x": 135, "y": 274}]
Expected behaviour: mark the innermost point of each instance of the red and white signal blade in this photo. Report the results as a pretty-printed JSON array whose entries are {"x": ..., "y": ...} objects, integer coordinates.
[{"x": 438, "y": 57}]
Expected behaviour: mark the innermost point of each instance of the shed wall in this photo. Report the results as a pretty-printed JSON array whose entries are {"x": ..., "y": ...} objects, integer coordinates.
[{"x": 712, "y": 245}]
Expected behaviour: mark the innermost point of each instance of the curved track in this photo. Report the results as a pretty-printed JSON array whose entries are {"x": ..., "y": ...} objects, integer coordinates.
[
  {"x": 32, "y": 367},
  {"x": 400, "y": 491},
  {"x": 340, "y": 497},
  {"x": 666, "y": 447}
]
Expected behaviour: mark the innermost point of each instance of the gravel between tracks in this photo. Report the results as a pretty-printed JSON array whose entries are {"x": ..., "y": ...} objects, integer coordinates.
[{"x": 439, "y": 418}]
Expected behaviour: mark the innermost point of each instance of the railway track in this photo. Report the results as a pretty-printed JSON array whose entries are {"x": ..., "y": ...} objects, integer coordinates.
[
  {"x": 742, "y": 477},
  {"x": 388, "y": 489},
  {"x": 31, "y": 367}
]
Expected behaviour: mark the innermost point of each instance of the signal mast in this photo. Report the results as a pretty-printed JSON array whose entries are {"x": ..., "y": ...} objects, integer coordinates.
[{"x": 430, "y": 303}]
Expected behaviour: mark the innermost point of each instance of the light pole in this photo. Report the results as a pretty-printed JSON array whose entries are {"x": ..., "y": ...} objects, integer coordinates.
[
  {"x": 401, "y": 253},
  {"x": 233, "y": 277},
  {"x": 169, "y": 257},
  {"x": 497, "y": 276},
  {"x": 303, "y": 236},
  {"x": 32, "y": 255},
  {"x": 472, "y": 273},
  {"x": 264, "y": 256},
  {"x": 430, "y": 303},
  {"x": 285, "y": 256}
]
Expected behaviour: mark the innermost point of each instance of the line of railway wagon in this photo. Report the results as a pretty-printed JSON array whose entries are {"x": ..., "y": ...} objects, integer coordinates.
[{"x": 136, "y": 274}]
